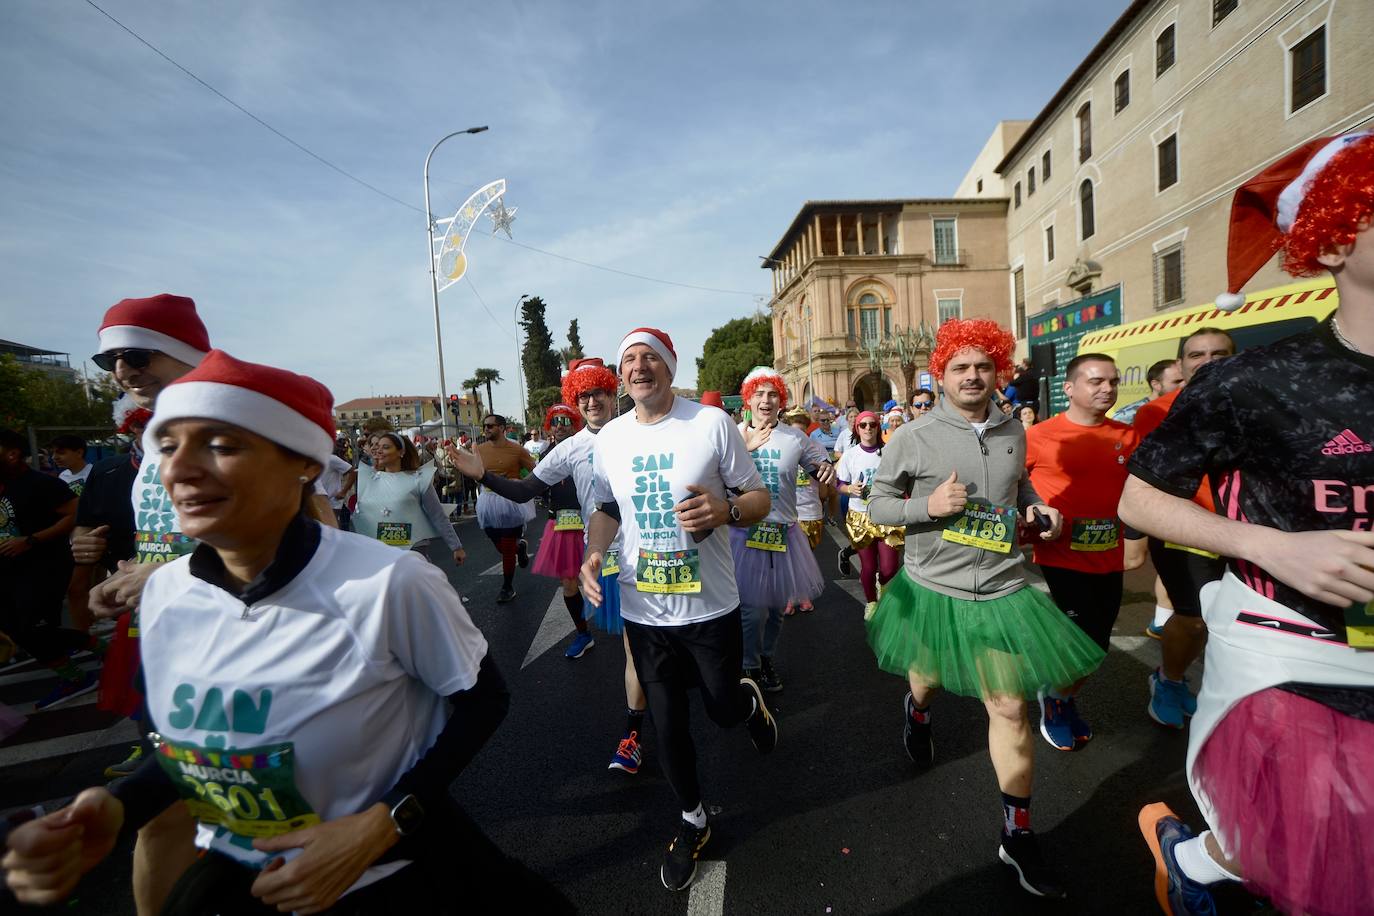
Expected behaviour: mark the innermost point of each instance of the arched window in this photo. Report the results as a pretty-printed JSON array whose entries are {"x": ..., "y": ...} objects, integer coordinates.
[{"x": 1087, "y": 220}]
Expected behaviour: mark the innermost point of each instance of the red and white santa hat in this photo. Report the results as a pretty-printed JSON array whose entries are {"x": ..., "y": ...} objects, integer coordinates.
[
  {"x": 587, "y": 374},
  {"x": 1265, "y": 207},
  {"x": 658, "y": 340},
  {"x": 127, "y": 414},
  {"x": 760, "y": 375},
  {"x": 294, "y": 411},
  {"x": 164, "y": 322},
  {"x": 562, "y": 410}
]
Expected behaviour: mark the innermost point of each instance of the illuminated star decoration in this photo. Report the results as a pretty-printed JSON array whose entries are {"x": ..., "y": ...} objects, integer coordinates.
[{"x": 501, "y": 218}]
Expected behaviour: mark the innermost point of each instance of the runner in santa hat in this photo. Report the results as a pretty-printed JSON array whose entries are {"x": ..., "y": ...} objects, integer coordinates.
[
  {"x": 774, "y": 565},
  {"x": 667, "y": 475},
  {"x": 592, "y": 387},
  {"x": 1282, "y": 743},
  {"x": 321, "y": 636}
]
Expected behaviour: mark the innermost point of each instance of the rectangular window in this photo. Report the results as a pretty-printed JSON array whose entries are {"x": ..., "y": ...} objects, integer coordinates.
[
  {"x": 868, "y": 325},
  {"x": 949, "y": 308},
  {"x": 1030, "y": 181},
  {"x": 1168, "y": 162},
  {"x": 1016, "y": 194},
  {"x": 887, "y": 322},
  {"x": 1085, "y": 132},
  {"x": 1049, "y": 243},
  {"x": 947, "y": 239},
  {"x": 1169, "y": 277},
  {"x": 1308, "y": 64},
  {"x": 1223, "y": 8},
  {"x": 852, "y": 330},
  {"x": 980, "y": 186},
  {"x": 1164, "y": 51},
  {"x": 1018, "y": 293},
  {"x": 1045, "y": 166},
  {"x": 1123, "y": 91}
]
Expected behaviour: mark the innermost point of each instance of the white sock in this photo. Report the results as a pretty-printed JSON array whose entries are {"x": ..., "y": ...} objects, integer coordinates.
[
  {"x": 1162, "y": 615},
  {"x": 697, "y": 818},
  {"x": 1198, "y": 864}
]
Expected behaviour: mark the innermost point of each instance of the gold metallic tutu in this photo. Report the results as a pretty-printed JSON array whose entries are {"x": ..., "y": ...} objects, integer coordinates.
[
  {"x": 814, "y": 531},
  {"x": 863, "y": 532}
]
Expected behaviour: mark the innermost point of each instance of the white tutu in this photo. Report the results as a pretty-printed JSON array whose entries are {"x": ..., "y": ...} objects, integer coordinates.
[{"x": 495, "y": 511}]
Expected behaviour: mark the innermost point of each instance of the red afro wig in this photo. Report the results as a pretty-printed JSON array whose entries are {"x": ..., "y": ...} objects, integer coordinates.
[
  {"x": 761, "y": 375},
  {"x": 980, "y": 334},
  {"x": 1339, "y": 203},
  {"x": 587, "y": 375},
  {"x": 562, "y": 410}
]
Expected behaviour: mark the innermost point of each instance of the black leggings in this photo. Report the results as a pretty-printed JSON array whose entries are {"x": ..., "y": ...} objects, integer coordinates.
[
  {"x": 29, "y": 600},
  {"x": 669, "y": 661},
  {"x": 1091, "y": 600}
]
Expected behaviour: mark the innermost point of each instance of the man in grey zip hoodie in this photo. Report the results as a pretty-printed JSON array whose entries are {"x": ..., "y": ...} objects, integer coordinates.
[{"x": 961, "y": 616}]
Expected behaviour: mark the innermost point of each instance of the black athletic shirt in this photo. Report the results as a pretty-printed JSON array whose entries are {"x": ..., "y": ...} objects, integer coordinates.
[
  {"x": 1286, "y": 434},
  {"x": 105, "y": 501}
]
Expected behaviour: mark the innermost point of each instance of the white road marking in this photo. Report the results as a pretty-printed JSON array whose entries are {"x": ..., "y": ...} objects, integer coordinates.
[
  {"x": 837, "y": 535},
  {"x": 122, "y": 732},
  {"x": 854, "y": 588},
  {"x": 38, "y": 674},
  {"x": 553, "y": 630},
  {"x": 87, "y": 699},
  {"x": 707, "y": 897},
  {"x": 492, "y": 571}
]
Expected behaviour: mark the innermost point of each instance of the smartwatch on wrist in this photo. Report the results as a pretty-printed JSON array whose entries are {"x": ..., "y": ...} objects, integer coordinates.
[
  {"x": 407, "y": 814},
  {"x": 734, "y": 513}
]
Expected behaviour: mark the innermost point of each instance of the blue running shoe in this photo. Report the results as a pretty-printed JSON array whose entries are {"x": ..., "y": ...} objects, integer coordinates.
[
  {"x": 1178, "y": 895},
  {"x": 1054, "y": 722},
  {"x": 580, "y": 645},
  {"x": 1082, "y": 731},
  {"x": 1153, "y": 631},
  {"x": 68, "y": 690},
  {"x": 1166, "y": 705},
  {"x": 628, "y": 755}
]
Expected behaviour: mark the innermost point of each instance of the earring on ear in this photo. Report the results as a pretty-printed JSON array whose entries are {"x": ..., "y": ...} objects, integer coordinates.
[{"x": 303, "y": 478}]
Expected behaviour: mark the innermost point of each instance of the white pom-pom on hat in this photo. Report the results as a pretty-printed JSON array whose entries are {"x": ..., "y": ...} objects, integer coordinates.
[{"x": 1229, "y": 302}]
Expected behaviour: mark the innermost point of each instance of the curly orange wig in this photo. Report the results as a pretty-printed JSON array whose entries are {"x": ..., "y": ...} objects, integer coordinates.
[
  {"x": 1339, "y": 203},
  {"x": 588, "y": 375},
  {"x": 976, "y": 333},
  {"x": 761, "y": 375},
  {"x": 563, "y": 410}
]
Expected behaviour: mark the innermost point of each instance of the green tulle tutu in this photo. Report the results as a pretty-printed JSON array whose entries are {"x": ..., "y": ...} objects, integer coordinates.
[{"x": 1011, "y": 645}]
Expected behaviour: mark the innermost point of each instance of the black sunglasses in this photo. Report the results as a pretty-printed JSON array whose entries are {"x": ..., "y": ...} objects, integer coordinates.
[
  {"x": 922, "y": 405},
  {"x": 133, "y": 357}
]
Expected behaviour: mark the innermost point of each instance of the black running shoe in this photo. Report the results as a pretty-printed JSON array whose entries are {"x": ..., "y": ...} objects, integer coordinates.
[
  {"x": 845, "y": 569},
  {"x": 1021, "y": 851},
  {"x": 522, "y": 553},
  {"x": 763, "y": 728},
  {"x": 680, "y": 862},
  {"x": 920, "y": 746},
  {"x": 506, "y": 595},
  {"x": 768, "y": 678}
]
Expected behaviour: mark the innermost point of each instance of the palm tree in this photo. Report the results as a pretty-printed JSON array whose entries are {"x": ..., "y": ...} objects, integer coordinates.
[
  {"x": 472, "y": 385},
  {"x": 486, "y": 377}
]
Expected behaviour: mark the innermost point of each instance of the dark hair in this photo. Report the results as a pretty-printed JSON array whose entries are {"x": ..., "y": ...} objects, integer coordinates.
[
  {"x": 1199, "y": 332},
  {"x": 410, "y": 458},
  {"x": 1156, "y": 372},
  {"x": 69, "y": 441},
  {"x": 500, "y": 420},
  {"x": 921, "y": 391},
  {"x": 11, "y": 439},
  {"x": 1072, "y": 368}
]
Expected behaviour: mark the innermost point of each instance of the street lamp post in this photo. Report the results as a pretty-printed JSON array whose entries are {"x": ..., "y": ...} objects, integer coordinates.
[
  {"x": 434, "y": 282},
  {"x": 519, "y": 365}
]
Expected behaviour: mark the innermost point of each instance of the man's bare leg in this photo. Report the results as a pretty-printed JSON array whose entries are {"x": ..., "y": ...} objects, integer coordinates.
[{"x": 165, "y": 849}]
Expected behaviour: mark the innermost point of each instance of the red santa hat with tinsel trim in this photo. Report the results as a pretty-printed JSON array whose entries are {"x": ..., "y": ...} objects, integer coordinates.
[
  {"x": 164, "y": 322},
  {"x": 760, "y": 375},
  {"x": 588, "y": 374},
  {"x": 562, "y": 410},
  {"x": 127, "y": 414},
  {"x": 1265, "y": 207},
  {"x": 294, "y": 411},
  {"x": 657, "y": 340}
]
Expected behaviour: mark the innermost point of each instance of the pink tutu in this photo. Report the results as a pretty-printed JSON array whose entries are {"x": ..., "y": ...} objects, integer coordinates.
[
  {"x": 772, "y": 579},
  {"x": 560, "y": 554},
  {"x": 1290, "y": 780}
]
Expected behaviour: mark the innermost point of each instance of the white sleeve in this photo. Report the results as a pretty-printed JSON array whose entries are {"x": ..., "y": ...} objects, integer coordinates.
[
  {"x": 427, "y": 629},
  {"x": 737, "y": 468},
  {"x": 553, "y": 467},
  {"x": 601, "y": 484},
  {"x": 844, "y": 470}
]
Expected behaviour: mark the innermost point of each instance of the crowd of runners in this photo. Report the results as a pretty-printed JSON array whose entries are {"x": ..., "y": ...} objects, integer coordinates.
[{"x": 254, "y": 640}]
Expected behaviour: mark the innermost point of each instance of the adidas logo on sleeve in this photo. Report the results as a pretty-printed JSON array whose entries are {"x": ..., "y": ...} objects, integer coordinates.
[{"x": 1347, "y": 443}]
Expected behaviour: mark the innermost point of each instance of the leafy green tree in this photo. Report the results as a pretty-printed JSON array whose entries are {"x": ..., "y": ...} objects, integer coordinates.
[
  {"x": 538, "y": 358},
  {"x": 574, "y": 348},
  {"x": 486, "y": 377},
  {"x": 33, "y": 397},
  {"x": 731, "y": 351},
  {"x": 473, "y": 384},
  {"x": 541, "y": 399}
]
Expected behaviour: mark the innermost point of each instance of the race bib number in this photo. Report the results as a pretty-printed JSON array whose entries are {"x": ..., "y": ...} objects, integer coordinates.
[
  {"x": 250, "y": 792},
  {"x": 1202, "y": 553},
  {"x": 767, "y": 536},
  {"x": 984, "y": 526},
  {"x": 668, "y": 572},
  {"x": 1095, "y": 534},
  {"x": 610, "y": 563},
  {"x": 803, "y": 478},
  {"x": 1359, "y": 626},
  {"x": 567, "y": 520},
  {"x": 161, "y": 548},
  {"x": 397, "y": 534}
]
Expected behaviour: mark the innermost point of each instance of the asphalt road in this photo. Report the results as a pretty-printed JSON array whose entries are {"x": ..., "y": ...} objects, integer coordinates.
[{"x": 835, "y": 821}]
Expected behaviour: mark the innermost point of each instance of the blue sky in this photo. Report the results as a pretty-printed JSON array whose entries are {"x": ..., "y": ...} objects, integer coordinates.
[{"x": 674, "y": 139}]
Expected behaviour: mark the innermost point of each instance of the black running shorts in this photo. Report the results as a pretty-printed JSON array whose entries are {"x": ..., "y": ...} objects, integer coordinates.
[{"x": 1184, "y": 573}]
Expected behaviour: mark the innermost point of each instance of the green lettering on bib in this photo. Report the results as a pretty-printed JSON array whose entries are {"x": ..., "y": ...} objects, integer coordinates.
[
  {"x": 767, "y": 536},
  {"x": 984, "y": 526},
  {"x": 1095, "y": 534},
  {"x": 397, "y": 534},
  {"x": 250, "y": 792},
  {"x": 668, "y": 572},
  {"x": 567, "y": 520},
  {"x": 161, "y": 548},
  {"x": 610, "y": 563},
  {"x": 803, "y": 478}
]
